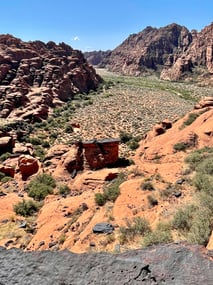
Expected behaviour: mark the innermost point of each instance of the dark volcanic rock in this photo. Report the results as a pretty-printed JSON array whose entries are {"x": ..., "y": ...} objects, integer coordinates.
[
  {"x": 103, "y": 228},
  {"x": 169, "y": 264},
  {"x": 35, "y": 76}
]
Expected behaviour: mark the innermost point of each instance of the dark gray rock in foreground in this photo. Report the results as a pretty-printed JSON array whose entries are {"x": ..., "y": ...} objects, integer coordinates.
[{"x": 167, "y": 264}]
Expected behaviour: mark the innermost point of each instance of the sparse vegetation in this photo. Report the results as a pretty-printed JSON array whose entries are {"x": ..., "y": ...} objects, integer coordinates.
[
  {"x": 41, "y": 186},
  {"x": 138, "y": 227},
  {"x": 26, "y": 208},
  {"x": 147, "y": 185},
  {"x": 111, "y": 191}
]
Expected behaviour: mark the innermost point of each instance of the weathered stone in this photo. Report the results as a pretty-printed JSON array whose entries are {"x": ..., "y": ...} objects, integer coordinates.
[
  {"x": 6, "y": 144},
  {"x": 172, "y": 264},
  {"x": 28, "y": 165},
  {"x": 103, "y": 228},
  {"x": 56, "y": 72}
]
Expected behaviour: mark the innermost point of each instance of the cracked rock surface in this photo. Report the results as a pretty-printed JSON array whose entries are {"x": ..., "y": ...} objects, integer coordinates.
[{"x": 165, "y": 264}]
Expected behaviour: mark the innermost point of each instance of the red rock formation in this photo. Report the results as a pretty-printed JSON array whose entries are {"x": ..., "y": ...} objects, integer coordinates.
[
  {"x": 93, "y": 155},
  {"x": 101, "y": 153},
  {"x": 27, "y": 165},
  {"x": 148, "y": 49},
  {"x": 35, "y": 76}
]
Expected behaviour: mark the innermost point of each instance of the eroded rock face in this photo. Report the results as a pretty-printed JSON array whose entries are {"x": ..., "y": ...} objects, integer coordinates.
[
  {"x": 172, "y": 264},
  {"x": 27, "y": 165},
  {"x": 93, "y": 155},
  {"x": 35, "y": 76},
  {"x": 148, "y": 49},
  {"x": 173, "y": 50}
]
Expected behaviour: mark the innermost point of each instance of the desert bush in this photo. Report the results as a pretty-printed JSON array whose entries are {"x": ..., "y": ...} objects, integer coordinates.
[
  {"x": 206, "y": 166},
  {"x": 4, "y": 156},
  {"x": 2, "y": 175},
  {"x": 193, "y": 159},
  {"x": 181, "y": 146},
  {"x": 152, "y": 200},
  {"x": 41, "y": 186},
  {"x": 111, "y": 191},
  {"x": 191, "y": 118},
  {"x": 26, "y": 208},
  {"x": 201, "y": 228},
  {"x": 147, "y": 185},
  {"x": 125, "y": 137},
  {"x": 157, "y": 237},
  {"x": 100, "y": 199},
  {"x": 183, "y": 218},
  {"x": 64, "y": 190},
  {"x": 204, "y": 183},
  {"x": 139, "y": 226}
]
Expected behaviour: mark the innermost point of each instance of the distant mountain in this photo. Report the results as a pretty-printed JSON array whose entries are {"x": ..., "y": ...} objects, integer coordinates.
[
  {"x": 35, "y": 77},
  {"x": 173, "y": 51},
  {"x": 96, "y": 57}
]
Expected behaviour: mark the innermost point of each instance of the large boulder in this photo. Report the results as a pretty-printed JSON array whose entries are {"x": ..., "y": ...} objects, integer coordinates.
[
  {"x": 103, "y": 228},
  {"x": 27, "y": 165}
]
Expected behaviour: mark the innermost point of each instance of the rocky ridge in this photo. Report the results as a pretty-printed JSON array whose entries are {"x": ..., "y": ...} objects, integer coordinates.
[
  {"x": 35, "y": 77},
  {"x": 173, "y": 51}
]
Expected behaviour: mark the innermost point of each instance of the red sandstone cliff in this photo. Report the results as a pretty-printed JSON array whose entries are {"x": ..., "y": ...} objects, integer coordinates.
[{"x": 35, "y": 76}]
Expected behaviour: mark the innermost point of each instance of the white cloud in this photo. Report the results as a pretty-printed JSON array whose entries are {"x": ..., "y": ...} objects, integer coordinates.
[{"x": 76, "y": 38}]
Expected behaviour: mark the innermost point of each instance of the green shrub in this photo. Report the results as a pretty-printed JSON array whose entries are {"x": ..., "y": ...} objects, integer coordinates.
[
  {"x": 139, "y": 226},
  {"x": 100, "y": 199},
  {"x": 64, "y": 190},
  {"x": 111, "y": 191},
  {"x": 4, "y": 156},
  {"x": 206, "y": 166},
  {"x": 147, "y": 185},
  {"x": 183, "y": 218},
  {"x": 41, "y": 186},
  {"x": 152, "y": 200},
  {"x": 194, "y": 159},
  {"x": 181, "y": 146},
  {"x": 201, "y": 228},
  {"x": 157, "y": 237},
  {"x": 2, "y": 175},
  {"x": 204, "y": 183},
  {"x": 6, "y": 179},
  {"x": 191, "y": 118},
  {"x": 26, "y": 208},
  {"x": 125, "y": 137}
]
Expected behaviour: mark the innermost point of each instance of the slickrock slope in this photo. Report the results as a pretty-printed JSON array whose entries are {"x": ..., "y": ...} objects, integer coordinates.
[
  {"x": 35, "y": 77},
  {"x": 173, "y": 264}
]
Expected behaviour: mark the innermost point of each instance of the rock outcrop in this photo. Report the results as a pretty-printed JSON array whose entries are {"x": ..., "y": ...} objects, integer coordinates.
[
  {"x": 95, "y": 154},
  {"x": 148, "y": 49},
  {"x": 173, "y": 264},
  {"x": 174, "y": 51},
  {"x": 35, "y": 77},
  {"x": 96, "y": 57}
]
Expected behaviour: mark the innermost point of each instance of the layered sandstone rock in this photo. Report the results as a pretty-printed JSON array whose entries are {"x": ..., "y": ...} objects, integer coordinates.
[
  {"x": 148, "y": 49},
  {"x": 174, "y": 51},
  {"x": 35, "y": 76},
  {"x": 27, "y": 165}
]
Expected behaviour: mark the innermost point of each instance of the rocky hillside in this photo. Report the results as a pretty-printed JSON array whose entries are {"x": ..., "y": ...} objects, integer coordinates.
[
  {"x": 172, "y": 50},
  {"x": 35, "y": 77},
  {"x": 96, "y": 57},
  {"x": 179, "y": 264}
]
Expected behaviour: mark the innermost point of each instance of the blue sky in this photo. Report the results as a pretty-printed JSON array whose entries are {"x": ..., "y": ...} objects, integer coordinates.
[{"x": 97, "y": 24}]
